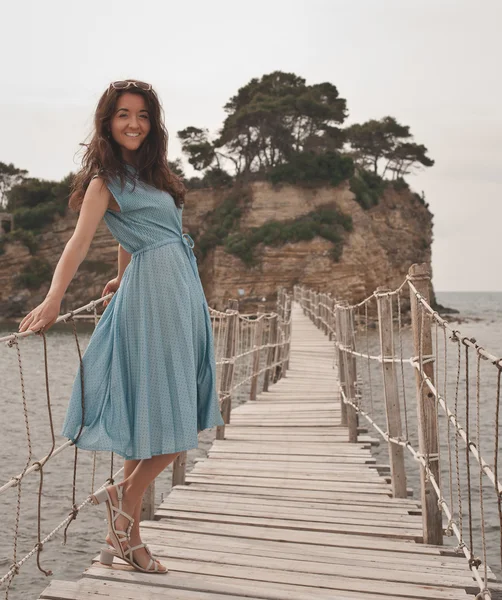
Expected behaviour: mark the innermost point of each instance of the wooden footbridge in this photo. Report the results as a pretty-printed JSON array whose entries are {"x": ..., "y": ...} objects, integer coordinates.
[
  {"x": 290, "y": 503},
  {"x": 285, "y": 508}
]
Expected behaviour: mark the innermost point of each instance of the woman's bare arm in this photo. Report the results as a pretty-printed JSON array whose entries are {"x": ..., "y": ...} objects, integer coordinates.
[{"x": 93, "y": 208}]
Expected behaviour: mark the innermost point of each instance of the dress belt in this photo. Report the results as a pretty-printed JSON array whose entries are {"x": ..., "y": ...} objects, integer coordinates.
[{"x": 184, "y": 239}]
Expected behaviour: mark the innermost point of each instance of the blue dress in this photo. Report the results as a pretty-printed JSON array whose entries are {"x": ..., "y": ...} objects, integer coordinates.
[{"x": 149, "y": 367}]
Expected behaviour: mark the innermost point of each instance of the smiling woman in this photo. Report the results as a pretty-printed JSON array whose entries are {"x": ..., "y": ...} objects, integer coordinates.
[{"x": 149, "y": 370}]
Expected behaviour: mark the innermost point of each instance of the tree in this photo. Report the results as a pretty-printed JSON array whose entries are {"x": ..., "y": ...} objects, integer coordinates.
[
  {"x": 386, "y": 140},
  {"x": 195, "y": 143},
  {"x": 405, "y": 156},
  {"x": 32, "y": 192},
  {"x": 269, "y": 120},
  {"x": 176, "y": 167},
  {"x": 9, "y": 177},
  {"x": 29, "y": 193}
]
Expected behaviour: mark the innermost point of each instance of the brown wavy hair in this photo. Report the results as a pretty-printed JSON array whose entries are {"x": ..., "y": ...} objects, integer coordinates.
[{"x": 103, "y": 156}]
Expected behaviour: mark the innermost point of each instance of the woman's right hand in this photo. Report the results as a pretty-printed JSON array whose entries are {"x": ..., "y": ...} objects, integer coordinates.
[
  {"x": 111, "y": 286},
  {"x": 42, "y": 317}
]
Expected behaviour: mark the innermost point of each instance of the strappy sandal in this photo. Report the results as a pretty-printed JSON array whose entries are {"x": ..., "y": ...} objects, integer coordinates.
[
  {"x": 113, "y": 512},
  {"x": 106, "y": 558}
]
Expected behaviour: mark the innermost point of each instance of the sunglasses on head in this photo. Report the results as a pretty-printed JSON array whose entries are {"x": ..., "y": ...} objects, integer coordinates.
[{"x": 124, "y": 85}]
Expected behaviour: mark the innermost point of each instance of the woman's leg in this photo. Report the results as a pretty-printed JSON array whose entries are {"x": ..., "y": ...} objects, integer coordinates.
[
  {"x": 129, "y": 466},
  {"x": 137, "y": 478}
]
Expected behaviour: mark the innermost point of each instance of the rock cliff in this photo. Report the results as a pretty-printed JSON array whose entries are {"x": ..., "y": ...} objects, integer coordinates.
[{"x": 384, "y": 242}]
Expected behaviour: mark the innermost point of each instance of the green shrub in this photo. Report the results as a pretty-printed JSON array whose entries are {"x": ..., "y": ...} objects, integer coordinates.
[
  {"x": 223, "y": 220},
  {"x": 400, "y": 184},
  {"x": 328, "y": 223},
  {"x": 239, "y": 245},
  {"x": 309, "y": 168},
  {"x": 34, "y": 273},
  {"x": 28, "y": 238},
  {"x": 36, "y": 218},
  {"x": 367, "y": 187}
]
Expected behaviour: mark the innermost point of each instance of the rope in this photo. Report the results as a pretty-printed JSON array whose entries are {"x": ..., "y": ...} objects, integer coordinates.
[
  {"x": 478, "y": 441},
  {"x": 496, "y": 456},
  {"x": 74, "y": 508},
  {"x": 40, "y": 464},
  {"x": 15, "y": 567}
]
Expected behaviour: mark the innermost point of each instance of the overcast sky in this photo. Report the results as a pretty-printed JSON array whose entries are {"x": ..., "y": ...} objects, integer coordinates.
[{"x": 433, "y": 64}]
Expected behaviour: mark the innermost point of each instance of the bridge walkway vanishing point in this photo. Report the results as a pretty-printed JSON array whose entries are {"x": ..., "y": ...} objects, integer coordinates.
[{"x": 285, "y": 508}]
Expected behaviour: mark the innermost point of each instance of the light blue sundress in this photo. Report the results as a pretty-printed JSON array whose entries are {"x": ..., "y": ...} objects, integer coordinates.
[{"x": 149, "y": 368}]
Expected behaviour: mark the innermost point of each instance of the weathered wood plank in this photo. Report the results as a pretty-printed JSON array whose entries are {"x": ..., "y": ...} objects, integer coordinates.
[
  {"x": 284, "y": 579},
  {"x": 298, "y": 513},
  {"x": 192, "y": 493},
  {"x": 310, "y": 494},
  {"x": 373, "y": 570},
  {"x": 384, "y": 531}
]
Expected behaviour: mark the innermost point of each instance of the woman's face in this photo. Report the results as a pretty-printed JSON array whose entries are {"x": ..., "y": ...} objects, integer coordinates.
[{"x": 130, "y": 124}]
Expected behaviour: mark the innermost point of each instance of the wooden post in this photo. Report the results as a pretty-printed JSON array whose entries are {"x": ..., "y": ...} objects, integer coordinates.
[
  {"x": 351, "y": 373},
  {"x": 257, "y": 339},
  {"x": 148, "y": 504},
  {"x": 227, "y": 371},
  {"x": 322, "y": 296},
  {"x": 391, "y": 392},
  {"x": 426, "y": 405},
  {"x": 288, "y": 332},
  {"x": 341, "y": 365},
  {"x": 325, "y": 309},
  {"x": 278, "y": 370},
  {"x": 331, "y": 316},
  {"x": 272, "y": 340},
  {"x": 179, "y": 469}
]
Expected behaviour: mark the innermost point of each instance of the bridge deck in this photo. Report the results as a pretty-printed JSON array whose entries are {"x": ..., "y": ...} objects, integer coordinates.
[{"x": 285, "y": 509}]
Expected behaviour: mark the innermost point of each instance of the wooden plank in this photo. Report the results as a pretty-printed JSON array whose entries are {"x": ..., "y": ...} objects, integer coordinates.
[
  {"x": 321, "y": 538},
  {"x": 60, "y": 590},
  {"x": 260, "y": 576},
  {"x": 284, "y": 483},
  {"x": 314, "y": 495},
  {"x": 293, "y": 458},
  {"x": 191, "y": 493},
  {"x": 228, "y": 556},
  {"x": 297, "y": 513},
  {"x": 227, "y": 585},
  {"x": 285, "y": 471},
  {"x": 384, "y": 531},
  {"x": 323, "y": 554},
  {"x": 322, "y": 448},
  {"x": 245, "y": 463},
  {"x": 97, "y": 589}
]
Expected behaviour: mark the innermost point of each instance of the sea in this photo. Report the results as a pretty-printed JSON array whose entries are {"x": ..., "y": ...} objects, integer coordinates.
[{"x": 479, "y": 317}]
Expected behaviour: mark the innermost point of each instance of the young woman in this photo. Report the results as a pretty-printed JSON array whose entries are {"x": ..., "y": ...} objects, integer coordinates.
[{"x": 147, "y": 386}]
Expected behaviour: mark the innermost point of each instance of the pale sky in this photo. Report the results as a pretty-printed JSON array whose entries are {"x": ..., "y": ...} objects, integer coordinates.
[{"x": 432, "y": 64}]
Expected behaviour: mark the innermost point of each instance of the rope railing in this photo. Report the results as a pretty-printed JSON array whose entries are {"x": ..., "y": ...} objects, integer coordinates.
[
  {"x": 249, "y": 349},
  {"x": 457, "y": 403}
]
